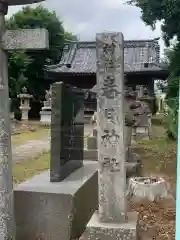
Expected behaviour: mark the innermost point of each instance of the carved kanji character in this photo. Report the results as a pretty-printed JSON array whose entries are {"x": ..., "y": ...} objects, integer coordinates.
[
  {"x": 111, "y": 163},
  {"x": 110, "y": 138},
  {"x": 110, "y": 88}
]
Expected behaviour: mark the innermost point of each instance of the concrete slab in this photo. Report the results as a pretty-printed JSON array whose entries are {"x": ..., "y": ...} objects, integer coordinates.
[
  {"x": 96, "y": 230},
  {"x": 46, "y": 210}
]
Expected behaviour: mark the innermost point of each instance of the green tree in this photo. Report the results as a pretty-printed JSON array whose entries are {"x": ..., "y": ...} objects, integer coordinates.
[
  {"x": 174, "y": 69},
  {"x": 167, "y": 11},
  {"x": 17, "y": 64},
  {"x": 34, "y": 61}
]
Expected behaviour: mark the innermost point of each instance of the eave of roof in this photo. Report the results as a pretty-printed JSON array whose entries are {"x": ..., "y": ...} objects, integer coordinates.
[
  {"x": 162, "y": 73},
  {"x": 65, "y": 65}
]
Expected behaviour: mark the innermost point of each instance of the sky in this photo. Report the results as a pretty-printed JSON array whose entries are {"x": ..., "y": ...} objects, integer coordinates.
[{"x": 85, "y": 18}]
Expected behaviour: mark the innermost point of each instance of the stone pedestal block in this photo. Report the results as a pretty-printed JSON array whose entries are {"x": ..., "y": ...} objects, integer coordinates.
[
  {"x": 142, "y": 133},
  {"x": 96, "y": 230},
  {"x": 60, "y": 210},
  {"x": 45, "y": 117},
  {"x": 24, "y": 112}
]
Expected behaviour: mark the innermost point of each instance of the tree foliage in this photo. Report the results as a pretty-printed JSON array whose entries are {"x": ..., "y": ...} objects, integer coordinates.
[
  {"x": 17, "y": 64},
  {"x": 166, "y": 11},
  {"x": 172, "y": 118},
  {"x": 31, "y": 64},
  {"x": 174, "y": 69}
]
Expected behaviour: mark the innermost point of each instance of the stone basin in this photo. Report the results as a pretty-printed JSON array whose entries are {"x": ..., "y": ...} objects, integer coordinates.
[{"x": 150, "y": 188}]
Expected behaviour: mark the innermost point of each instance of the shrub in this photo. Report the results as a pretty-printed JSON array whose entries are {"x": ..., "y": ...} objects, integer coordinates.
[{"x": 172, "y": 118}]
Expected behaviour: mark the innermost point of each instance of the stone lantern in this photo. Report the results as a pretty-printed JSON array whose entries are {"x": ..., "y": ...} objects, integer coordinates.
[
  {"x": 46, "y": 110},
  {"x": 25, "y": 103}
]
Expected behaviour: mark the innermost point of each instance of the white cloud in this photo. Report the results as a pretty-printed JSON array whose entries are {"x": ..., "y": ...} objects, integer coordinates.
[{"x": 85, "y": 18}]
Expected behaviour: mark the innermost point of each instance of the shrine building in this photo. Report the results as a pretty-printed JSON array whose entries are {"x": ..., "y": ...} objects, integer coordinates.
[{"x": 78, "y": 66}]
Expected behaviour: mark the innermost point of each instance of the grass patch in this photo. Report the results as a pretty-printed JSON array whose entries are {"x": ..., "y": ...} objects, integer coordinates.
[
  {"x": 158, "y": 120},
  {"x": 159, "y": 157},
  {"x": 26, "y": 136},
  {"x": 153, "y": 142},
  {"x": 27, "y": 169},
  {"x": 154, "y": 152}
]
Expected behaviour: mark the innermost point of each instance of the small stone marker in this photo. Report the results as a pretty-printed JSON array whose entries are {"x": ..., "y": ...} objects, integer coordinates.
[
  {"x": 11, "y": 40},
  {"x": 67, "y": 131},
  {"x": 111, "y": 221}
]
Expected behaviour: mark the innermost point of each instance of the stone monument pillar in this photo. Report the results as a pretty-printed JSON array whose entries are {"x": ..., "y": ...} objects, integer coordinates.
[
  {"x": 11, "y": 115},
  {"x": 129, "y": 97},
  {"x": 140, "y": 91},
  {"x": 25, "y": 103},
  {"x": 46, "y": 110},
  {"x": 110, "y": 221},
  {"x": 11, "y": 40},
  {"x": 162, "y": 106},
  {"x": 140, "y": 109},
  {"x": 132, "y": 159},
  {"x": 142, "y": 124}
]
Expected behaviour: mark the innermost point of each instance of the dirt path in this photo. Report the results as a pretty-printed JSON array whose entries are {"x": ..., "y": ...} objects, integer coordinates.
[
  {"x": 30, "y": 149},
  {"x": 33, "y": 148}
]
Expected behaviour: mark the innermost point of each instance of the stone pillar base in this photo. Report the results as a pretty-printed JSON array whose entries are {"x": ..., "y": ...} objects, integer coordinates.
[
  {"x": 142, "y": 133},
  {"x": 57, "y": 211},
  {"x": 45, "y": 117},
  {"x": 96, "y": 230}
]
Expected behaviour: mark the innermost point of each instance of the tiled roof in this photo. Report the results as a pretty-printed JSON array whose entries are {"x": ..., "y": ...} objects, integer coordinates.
[{"x": 80, "y": 57}]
